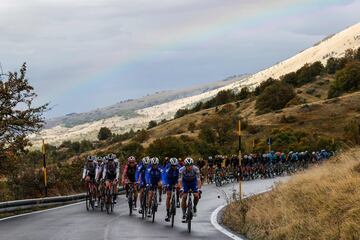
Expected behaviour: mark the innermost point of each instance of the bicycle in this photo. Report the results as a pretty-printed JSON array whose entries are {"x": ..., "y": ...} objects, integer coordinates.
[
  {"x": 109, "y": 195},
  {"x": 143, "y": 203},
  {"x": 154, "y": 205},
  {"x": 90, "y": 195},
  {"x": 218, "y": 178},
  {"x": 131, "y": 198},
  {"x": 102, "y": 195},
  {"x": 173, "y": 205},
  {"x": 189, "y": 211}
]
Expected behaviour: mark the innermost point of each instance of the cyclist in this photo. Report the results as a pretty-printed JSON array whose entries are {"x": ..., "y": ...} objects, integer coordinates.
[
  {"x": 89, "y": 173},
  {"x": 170, "y": 179},
  {"x": 111, "y": 173},
  {"x": 128, "y": 177},
  {"x": 140, "y": 177},
  {"x": 189, "y": 179},
  {"x": 153, "y": 179}
]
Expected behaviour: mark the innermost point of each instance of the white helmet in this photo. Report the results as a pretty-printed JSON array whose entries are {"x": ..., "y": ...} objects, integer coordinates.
[
  {"x": 154, "y": 161},
  {"x": 146, "y": 160},
  {"x": 189, "y": 161},
  {"x": 173, "y": 161}
]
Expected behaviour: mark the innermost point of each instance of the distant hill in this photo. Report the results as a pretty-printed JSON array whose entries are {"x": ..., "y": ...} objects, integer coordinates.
[{"x": 137, "y": 113}]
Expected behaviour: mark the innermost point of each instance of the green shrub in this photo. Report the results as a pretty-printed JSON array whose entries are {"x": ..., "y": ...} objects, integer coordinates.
[
  {"x": 104, "y": 133},
  {"x": 274, "y": 97},
  {"x": 347, "y": 80}
]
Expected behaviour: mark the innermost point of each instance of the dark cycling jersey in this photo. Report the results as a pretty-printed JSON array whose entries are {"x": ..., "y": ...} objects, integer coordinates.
[{"x": 129, "y": 173}]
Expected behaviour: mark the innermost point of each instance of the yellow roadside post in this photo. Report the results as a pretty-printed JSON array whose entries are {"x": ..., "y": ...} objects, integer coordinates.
[
  {"x": 240, "y": 157},
  {"x": 44, "y": 166}
]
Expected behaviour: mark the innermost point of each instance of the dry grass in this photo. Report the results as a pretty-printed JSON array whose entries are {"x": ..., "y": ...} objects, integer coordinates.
[{"x": 322, "y": 203}]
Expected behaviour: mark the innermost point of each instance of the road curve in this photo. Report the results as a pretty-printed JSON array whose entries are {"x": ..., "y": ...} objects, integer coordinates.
[{"x": 75, "y": 223}]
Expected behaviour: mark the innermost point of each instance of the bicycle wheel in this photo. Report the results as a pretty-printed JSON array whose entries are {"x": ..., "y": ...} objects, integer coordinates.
[
  {"x": 108, "y": 200},
  {"x": 130, "y": 200},
  {"x": 87, "y": 200},
  {"x": 154, "y": 206},
  {"x": 92, "y": 198},
  {"x": 189, "y": 214},
  {"x": 143, "y": 206},
  {"x": 173, "y": 210}
]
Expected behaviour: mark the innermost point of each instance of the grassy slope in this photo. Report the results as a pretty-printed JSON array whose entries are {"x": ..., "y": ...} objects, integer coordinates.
[
  {"x": 326, "y": 117},
  {"x": 322, "y": 203},
  {"x": 318, "y": 114}
]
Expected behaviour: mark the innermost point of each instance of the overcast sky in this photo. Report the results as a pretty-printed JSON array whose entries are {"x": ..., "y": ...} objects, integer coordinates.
[{"x": 84, "y": 54}]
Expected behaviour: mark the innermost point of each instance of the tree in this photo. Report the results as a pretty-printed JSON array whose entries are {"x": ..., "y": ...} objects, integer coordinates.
[
  {"x": 104, "y": 133},
  {"x": 152, "y": 124},
  {"x": 274, "y": 97},
  {"x": 259, "y": 89},
  {"x": 167, "y": 147},
  {"x": 346, "y": 80},
  {"x": 243, "y": 94},
  {"x": 18, "y": 116}
]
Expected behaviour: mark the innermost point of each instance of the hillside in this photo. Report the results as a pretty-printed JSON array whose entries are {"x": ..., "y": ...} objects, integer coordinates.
[
  {"x": 121, "y": 118},
  {"x": 321, "y": 203}
]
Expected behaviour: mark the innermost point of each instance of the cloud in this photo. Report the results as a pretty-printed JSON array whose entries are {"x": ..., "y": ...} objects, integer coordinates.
[{"x": 85, "y": 48}]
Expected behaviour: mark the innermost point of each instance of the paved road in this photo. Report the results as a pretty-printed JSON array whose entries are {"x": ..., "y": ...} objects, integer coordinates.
[{"x": 75, "y": 223}]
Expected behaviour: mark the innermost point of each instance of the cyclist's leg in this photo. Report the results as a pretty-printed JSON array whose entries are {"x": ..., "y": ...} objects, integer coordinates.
[
  {"x": 135, "y": 194},
  {"x": 195, "y": 190},
  {"x": 168, "y": 196},
  {"x": 183, "y": 204},
  {"x": 160, "y": 191}
]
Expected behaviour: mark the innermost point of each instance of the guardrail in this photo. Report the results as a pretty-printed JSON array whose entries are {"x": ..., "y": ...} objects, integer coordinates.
[{"x": 43, "y": 202}]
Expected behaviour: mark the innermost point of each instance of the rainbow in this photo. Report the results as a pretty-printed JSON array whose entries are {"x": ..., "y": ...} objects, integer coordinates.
[{"x": 255, "y": 20}]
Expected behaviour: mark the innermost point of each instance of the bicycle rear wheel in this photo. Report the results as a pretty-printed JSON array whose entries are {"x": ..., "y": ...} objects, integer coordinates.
[
  {"x": 130, "y": 201},
  {"x": 154, "y": 206},
  {"x": 189, "y": 214},
  {"x": 173, "y": 210},
  {"x": 87, "y": 200}
]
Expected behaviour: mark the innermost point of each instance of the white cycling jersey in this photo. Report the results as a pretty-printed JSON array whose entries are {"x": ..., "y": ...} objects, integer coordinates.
[
  {"x": 111, "y": 169},
  {"x": 90, "y": 169}
]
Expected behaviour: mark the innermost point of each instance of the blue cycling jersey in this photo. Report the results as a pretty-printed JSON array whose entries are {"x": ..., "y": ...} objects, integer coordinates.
[
  {"x": 171, "y": 176},
  {"x": 153, "y": 176},
  {"x": 140, "y": 173}
]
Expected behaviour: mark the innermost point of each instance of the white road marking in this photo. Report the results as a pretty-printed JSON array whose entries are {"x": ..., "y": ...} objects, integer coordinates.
[
  {"x": 40, "y": 211},
  {"x": 215, "y": 223}
]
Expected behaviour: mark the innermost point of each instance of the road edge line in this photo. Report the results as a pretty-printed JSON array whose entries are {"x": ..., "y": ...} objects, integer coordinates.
[
  {"x": 40, "y": 211},
  {"x": 217, "y": 225}
]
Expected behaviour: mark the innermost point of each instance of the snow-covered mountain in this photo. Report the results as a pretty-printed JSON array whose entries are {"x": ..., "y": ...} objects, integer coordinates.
[{"x": 137, "y": 113}]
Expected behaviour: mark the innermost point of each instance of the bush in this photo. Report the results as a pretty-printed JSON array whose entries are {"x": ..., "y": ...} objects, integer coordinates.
[
  {"x": 167, "y": 147},
  {"x": 243, "y": 94},
  {"x": 347, "y": 80},
  {"x": 104, "y": 133},
  {"x": 274, "y": 97},
  {"x": 152, "y": 124},
  {"x": 259, "y": 89},
  {"x": 304, "y": 75}
]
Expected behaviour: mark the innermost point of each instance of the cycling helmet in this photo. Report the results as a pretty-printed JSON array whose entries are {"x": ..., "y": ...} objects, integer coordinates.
[
  {"x": 110, "y": 157},
  {"x": 99, "y": 159},
  {"x": 154, "y": 161},
  {"x": 146, "y": 160},
  {"x": 113, "y": 155},
  {"x": 173, "y": 161},
  {"x": 131, "y": 159},
  {"x": 90, "y": 158},
  {"x": 189, "y": 161}
]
